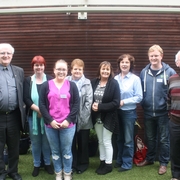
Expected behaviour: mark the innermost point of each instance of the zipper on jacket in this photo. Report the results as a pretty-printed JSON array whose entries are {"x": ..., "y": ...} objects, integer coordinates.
[{"x": 154, "y": 82}]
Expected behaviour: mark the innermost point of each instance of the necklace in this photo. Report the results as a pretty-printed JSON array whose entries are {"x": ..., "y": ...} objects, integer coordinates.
[{"x": 102, "y": 83}]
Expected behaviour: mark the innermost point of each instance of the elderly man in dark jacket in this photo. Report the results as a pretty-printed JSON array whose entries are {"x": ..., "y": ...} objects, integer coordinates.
[{"x": 12, "y": 111}]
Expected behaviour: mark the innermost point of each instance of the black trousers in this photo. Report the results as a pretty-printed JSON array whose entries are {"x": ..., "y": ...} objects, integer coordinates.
[
  {"x": 80, "y": 150},
  {"x": 175, "y": 149},
  {"x": 10, "y": 135}
]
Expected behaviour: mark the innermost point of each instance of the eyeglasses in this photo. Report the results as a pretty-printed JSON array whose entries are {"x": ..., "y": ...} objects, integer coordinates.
[
  {"x": 4, "y": 53},
  {"x": 59, "y": 69}
]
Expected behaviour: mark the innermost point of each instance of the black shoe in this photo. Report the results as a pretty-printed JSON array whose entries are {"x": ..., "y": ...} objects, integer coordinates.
[
  {"x": 117, "y": 165},
  {"x": 106, "y": 169},
  {"x": 79, "y": 171},
  {"x": 49, "y": 169},
  {"x": 15, "y": 176},
  {"x": 73, "y": 170},
  {"x": 35, "y": 171},
  {"x": 102, "y": 164},
  {"x": 81, "y": 168},
  {"x": 122, "y": 169}
]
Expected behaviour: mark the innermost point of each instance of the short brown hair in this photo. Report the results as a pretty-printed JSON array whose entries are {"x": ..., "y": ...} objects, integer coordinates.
[
  {"x": 105, "y": 63},
  {"x": 130, "y": 58}
]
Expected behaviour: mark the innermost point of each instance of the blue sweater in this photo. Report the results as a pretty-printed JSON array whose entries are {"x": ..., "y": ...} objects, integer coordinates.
[{"x": 155, "y": 90}]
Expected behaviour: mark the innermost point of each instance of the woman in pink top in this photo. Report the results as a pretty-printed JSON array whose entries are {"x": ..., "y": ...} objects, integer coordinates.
[{"x": 59, "y": 105}]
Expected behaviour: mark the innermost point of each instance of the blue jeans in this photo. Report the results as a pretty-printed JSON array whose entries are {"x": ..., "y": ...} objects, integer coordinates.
[
  {"x": 125, "y": 140},
  {"x": 157, "y": 128},
  {"x": 39, "y": 144},
  {"x": 61, "y": 144}
]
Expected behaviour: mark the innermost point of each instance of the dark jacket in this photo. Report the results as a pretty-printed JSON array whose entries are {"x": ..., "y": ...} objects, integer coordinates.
[
  {"x": 44, "y": 103},
  {"x": 109, "y": 105},
  {"x": 155, "y": 90},
  {"x": 19, "y": 78},
  {"x": 27, "y": 93}
]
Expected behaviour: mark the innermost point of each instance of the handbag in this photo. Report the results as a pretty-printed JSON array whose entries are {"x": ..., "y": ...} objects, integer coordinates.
[
  {"x": 140, "y": 151},
  {"x": 24, "y": 143}
]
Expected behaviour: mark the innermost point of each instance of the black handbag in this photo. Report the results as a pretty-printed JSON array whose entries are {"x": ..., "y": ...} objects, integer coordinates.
[{"x": 24, "y": 144}]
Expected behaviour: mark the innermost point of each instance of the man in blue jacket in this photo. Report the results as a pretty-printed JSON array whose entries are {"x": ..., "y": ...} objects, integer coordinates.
[{"x": 154, "y": 78}]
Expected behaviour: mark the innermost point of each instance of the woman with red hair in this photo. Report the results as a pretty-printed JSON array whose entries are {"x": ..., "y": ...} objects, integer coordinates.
[{"x": 39, "y": 142}]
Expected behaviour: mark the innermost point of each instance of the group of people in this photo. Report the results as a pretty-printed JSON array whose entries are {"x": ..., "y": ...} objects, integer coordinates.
[{"x": 62, "y": 109}]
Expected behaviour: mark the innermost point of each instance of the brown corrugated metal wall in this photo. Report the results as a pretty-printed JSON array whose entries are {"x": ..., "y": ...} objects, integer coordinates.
[{"x": 100, "y": 37}]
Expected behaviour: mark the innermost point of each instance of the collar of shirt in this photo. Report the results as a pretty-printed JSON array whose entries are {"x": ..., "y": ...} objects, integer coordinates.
[
  {"x": 127, "y": 75},
  {"x": 2, "y": 67}
]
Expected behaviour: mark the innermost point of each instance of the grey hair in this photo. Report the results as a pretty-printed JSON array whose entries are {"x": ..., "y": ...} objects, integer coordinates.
[
  {"x": 7, "y": 45},
  {"x": 176, "y": 56}
]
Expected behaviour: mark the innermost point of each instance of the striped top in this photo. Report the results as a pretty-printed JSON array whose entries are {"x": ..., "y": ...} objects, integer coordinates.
[{"x": 174, "y": 98}]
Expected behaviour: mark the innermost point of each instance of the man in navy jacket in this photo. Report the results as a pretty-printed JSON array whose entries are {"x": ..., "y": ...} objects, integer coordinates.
[{"x": 154, "y": 79}]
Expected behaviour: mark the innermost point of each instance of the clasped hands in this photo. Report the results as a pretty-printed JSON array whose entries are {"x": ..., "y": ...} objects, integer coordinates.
[
  {"x": 57, "y": 125},
  {"x": 95, "y": 106}
]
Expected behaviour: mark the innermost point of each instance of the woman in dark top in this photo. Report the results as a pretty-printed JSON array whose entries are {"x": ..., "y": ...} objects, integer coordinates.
[
  {"x": 104, "y": 113},
  {"x": 37, "y": 133}
]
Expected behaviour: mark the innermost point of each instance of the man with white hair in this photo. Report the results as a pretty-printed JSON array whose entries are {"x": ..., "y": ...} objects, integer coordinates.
[
  {"x": 12, "y": 111},
  {"x": 174, "y": 123}
]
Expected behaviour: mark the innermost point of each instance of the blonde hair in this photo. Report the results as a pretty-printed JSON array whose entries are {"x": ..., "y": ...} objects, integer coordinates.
[
  {"x": 155, "y": 47},
  {"x": 61, "y": 61},
  {"x": 78, "y": 62}
]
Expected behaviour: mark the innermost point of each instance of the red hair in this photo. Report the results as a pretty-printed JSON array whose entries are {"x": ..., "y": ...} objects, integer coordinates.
[{"x": 38, "y": 59}]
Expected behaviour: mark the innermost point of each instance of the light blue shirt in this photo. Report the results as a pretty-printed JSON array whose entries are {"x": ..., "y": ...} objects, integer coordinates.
[
  {"x": 8, "y": 90},
  {"x": 130, "y": 90}
]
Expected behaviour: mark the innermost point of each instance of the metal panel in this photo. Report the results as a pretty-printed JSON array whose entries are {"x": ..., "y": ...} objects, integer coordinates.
[{"x": 103, "y": 36}]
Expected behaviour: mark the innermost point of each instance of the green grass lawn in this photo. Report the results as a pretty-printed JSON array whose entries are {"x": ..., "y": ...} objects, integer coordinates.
[{"x": 137, "y": 173}]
